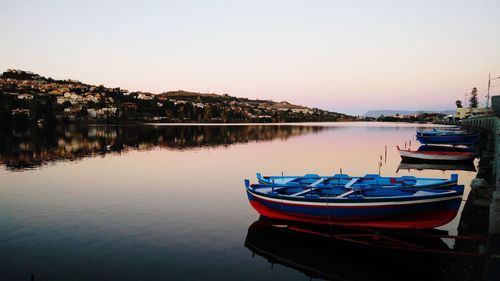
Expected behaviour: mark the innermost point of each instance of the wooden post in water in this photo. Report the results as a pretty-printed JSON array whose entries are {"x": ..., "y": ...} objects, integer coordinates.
[
  {"x": 379, "y": 164},
  {"x": 385, "y": 160}
]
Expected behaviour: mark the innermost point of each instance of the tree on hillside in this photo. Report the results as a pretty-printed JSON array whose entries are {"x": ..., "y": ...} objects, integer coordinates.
[
  {"x": 459, "y": 103},
  {"x": 48, "y": 111},
  {"x": 66, "y": 104},
  {"x": 473, "y": 102}
]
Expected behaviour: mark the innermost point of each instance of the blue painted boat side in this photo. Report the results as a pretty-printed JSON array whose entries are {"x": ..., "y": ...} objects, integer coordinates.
[
  {"x": 420, "y": 210},
  {"x": 365, "y": 196},
  {"x": 451, "y": 139},
  {"x": 332, "y": 211}
]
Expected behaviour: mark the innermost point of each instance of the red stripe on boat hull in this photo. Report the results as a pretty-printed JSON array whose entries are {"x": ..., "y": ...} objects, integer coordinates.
[{"x": 423, "y": 220}]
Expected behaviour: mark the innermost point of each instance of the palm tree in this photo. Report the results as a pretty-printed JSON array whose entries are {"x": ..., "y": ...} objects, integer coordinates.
[{"x": 473, "y": 102}]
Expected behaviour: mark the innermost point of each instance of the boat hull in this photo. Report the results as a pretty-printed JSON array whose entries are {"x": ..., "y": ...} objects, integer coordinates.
[
  {"x": 436, "y": 156},
  {"x": 442, "y": 166},
  {"x": 448, "y": 139},
  {"x": 414, "y": 214}
]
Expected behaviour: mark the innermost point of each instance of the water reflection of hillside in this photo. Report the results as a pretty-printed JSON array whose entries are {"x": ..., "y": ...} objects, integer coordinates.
[{"x": 28, "y": 148}]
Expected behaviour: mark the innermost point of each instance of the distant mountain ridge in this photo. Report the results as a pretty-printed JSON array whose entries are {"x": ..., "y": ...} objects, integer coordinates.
[{"x": 378, "y": 113}]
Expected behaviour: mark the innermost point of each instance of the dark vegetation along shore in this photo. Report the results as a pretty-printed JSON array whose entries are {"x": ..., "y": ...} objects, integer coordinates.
[{"x": 26, "y": 97}]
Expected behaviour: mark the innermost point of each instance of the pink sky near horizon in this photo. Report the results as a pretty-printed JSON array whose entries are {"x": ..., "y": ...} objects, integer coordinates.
[{"x": 336, "y": 55}]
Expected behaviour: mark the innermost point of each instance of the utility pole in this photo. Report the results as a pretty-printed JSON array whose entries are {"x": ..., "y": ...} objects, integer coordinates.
[
  {"x": 489, "y": 86},
  {"x": 488, "y": 95}
]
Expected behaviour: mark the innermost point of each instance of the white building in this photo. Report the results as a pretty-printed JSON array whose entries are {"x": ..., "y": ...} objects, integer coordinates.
[
  {"x": 145, "y": 96},
  {"x": 466, "y": 112}
]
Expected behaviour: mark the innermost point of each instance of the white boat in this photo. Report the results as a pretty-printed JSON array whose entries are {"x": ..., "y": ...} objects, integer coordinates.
[{"x": 433, "y": 155}]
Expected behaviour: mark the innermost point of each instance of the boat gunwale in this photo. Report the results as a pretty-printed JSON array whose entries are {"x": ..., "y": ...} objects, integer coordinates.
[
  {"x": 367, "y": 200},
  {"x": 440, "y": 153},
  {"x": 435, "y": 183},
  {"x": 346, "y": 178}
]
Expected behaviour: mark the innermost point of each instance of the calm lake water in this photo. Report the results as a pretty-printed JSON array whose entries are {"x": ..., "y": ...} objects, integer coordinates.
[{"x": 167, "y": 202}]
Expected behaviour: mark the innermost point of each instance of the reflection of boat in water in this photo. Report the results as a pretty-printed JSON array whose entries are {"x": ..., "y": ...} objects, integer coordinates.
[
  {"x": 437, "y": 154},
  {"x": 437, "y": 166},
  {"x": 350, "y": 254}
]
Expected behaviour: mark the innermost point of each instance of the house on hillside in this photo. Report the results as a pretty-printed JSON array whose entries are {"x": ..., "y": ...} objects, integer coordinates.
[
  {"x": 69, "y": 97},
  {"x": 302, "y": 110},
  {"x": 145, "y": 96},
  {"x": 106, "y": 112},
  {"x": 89, "y": 97},
  {"x": 162, "y": 98},
  {"x": 129, "y": 106}
]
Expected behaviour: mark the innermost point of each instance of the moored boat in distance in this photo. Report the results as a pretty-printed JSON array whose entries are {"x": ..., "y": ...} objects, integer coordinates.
[
  {"x": 372, "y": 180},
  {"x": 361, "y": 205},
  {"x": 441, "y": 131},
  {"x": 443, "y": 136},
  {"x": 436, "y": 155},
  {"x": 452, "y": 139}
]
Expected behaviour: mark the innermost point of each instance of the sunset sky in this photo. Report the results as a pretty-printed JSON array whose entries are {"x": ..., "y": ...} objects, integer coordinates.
[{"x": 345, "y": 56}]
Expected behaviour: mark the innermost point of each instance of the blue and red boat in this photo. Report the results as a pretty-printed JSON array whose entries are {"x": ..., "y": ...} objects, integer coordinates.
[{"x": 363, "y": 205}]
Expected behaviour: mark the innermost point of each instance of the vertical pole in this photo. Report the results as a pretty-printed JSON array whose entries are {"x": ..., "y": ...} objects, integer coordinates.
[
  {"x": 385, "y": 160},
  {"x": 379, "y": 164},
  {"x": 340, "y": 177},
  {"x": 488, "y": 95}
]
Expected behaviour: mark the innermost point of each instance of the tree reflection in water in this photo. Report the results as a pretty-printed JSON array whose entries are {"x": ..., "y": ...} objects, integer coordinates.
[{"x": 31, "y": 147}]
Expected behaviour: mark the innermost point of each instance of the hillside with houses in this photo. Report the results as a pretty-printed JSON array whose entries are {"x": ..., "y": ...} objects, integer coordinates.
[{"x": 28, "y": 97}]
